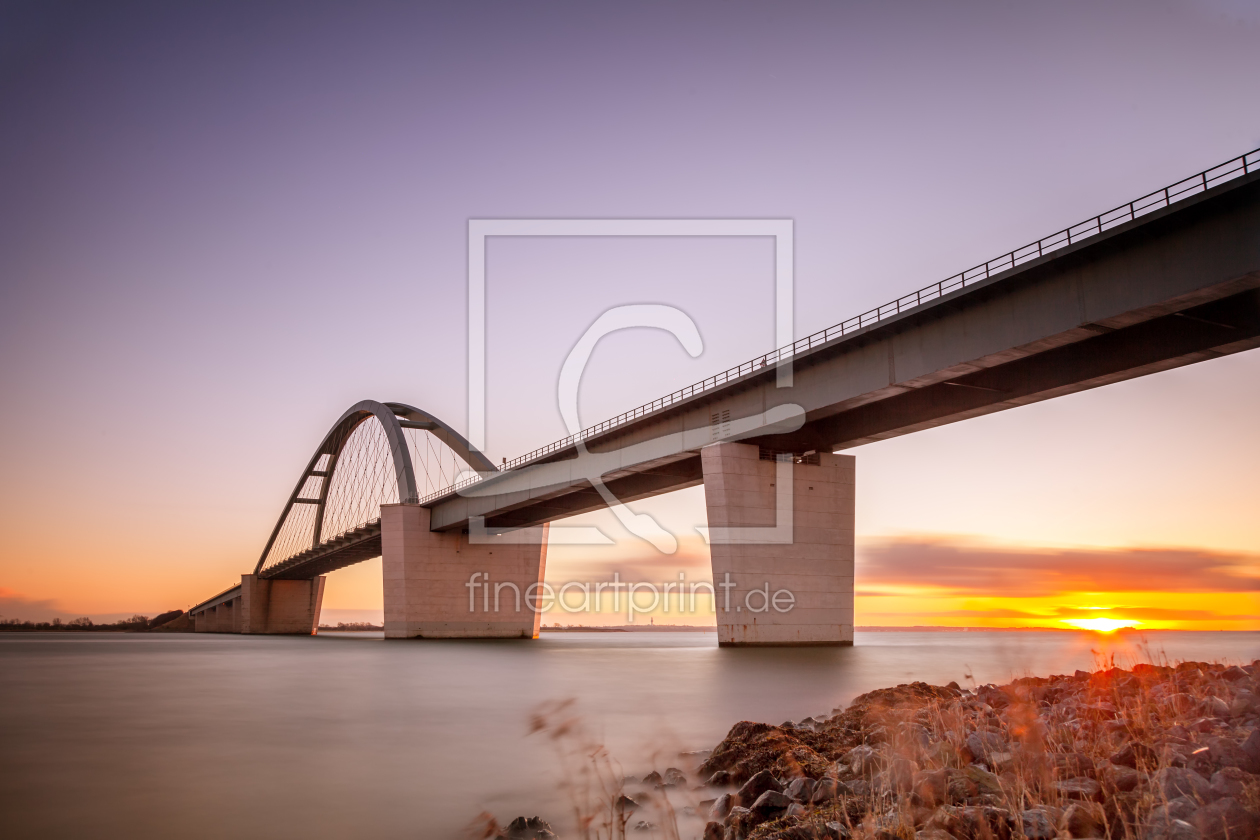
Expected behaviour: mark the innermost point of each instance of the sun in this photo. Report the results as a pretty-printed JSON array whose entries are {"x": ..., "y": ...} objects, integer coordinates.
[{"x": 1101, "y": 625}]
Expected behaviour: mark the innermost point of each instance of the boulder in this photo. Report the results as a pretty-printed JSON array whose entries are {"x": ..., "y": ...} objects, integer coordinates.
[
  {"x": 801, "y": 790},
  {"x": 1225, "y": 819},
  {"x": 1227, "y": 782},
  {"x": 1073, "y": 765},
  {"x": 1117, "y": 777},
  {"x": 527, "y": 828},
  {"x": 1251, "y": 746},
  {"x": 1215, "y": 706},
  {"x": 1226, "y": 753},
  {"x": 721, "y": 807},
  {"x": 898, "y": 777},
  {"x": 1181, "y": 808},
  {"x": 769, "y": 805},
  {"x": 862, "y": 760},
  {"x": 825, "y": 791},
  {"x": 1134, "y": 753},
  {"x": 1085, "y": 819},
  {"x": 930, "y": 787},
  {"x": 675, "y": 777},
  {"x": 1038, "y": 825},
  {"x": 1175, "y": 830},
  {"x": 979, "y": 745},
  {"x": 1082, "y": 787},
  {"x": 714, "y": 831},
  {"x": 1173, "y": 782},
  {"x": 757, "y": 785}
]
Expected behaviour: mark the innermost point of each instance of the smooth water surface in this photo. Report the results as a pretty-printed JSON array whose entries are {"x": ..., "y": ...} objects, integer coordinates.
[{"x": 346, "y": 735}]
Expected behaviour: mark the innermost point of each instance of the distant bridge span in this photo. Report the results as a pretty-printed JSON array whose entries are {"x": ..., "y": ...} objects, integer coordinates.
[{"x": 1170, "y": 279}]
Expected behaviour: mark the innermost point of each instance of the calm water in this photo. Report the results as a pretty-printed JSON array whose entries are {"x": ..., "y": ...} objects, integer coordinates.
[{"x": 349, "y": 736}]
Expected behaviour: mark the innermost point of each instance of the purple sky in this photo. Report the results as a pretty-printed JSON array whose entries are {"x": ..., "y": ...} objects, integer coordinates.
[{"x": 221, "y": 224}]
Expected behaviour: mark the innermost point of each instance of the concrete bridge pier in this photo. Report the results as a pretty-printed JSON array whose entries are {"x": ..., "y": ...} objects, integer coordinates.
[
  {"x": 781, "y": 541},
  {"x": 280, "y": 607},
  {"x": 439, "y": 585}
]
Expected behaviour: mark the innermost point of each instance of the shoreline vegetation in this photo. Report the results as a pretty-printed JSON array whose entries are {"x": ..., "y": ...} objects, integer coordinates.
[
  {"x": 173, "y": 621},
  {"x": 1158, "y": 752}
]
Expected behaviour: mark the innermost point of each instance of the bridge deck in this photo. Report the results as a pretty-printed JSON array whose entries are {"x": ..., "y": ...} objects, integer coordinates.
[{"x": 1175, "y": 286}]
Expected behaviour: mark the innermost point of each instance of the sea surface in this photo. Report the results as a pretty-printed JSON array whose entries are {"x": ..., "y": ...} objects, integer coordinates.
[{"x": 350, "y": 736}]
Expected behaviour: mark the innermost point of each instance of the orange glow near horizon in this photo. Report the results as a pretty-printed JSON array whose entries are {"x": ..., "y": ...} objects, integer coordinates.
[{"x": 1100, "y": 625}]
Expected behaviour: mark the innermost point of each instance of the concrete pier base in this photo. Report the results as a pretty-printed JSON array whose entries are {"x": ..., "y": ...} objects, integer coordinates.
[
  {"x": 439, "y": 585},
  {"x": 280, "y": 607},
  {"x": 786, "y": 558}
]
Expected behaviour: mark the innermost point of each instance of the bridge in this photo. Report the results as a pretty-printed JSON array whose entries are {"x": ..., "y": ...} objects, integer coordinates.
[{"x": 1166, "y": 280}]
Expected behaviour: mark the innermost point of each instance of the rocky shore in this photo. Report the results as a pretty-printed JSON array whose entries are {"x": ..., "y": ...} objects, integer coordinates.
[{"x": 1156, "y": 753}]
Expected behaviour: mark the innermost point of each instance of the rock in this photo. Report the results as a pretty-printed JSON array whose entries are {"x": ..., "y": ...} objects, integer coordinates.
[
  {"x": 1225, "y": 819},
  {"x": 1175, "y": 830},
  {"x": 644, "y": 825},
  {"x": 1233, "y": 674},
  {"x": 1181, "y": 808},
  {"x": 856, "y": 788},
  {"x": 769, "y": 805},
  {"x": 1037, "y": 824},
  {"x": 1251, "y": 746},
  {"x": 1245, "y": 702},
  {"x": 714, "y": 831},
  {"x": 946, "y": 819},
  {"x": 1227, "y": 782},
  {"x": 1215, "y": 706},
  {"x": 674, "y": 776},
  {"x": 1117, "y": 777},
  {"x": 825, "y": 791},
  {"x": 862, "y": 761},
  {"x": 1082, "y": 787},
  {"x": 931, "y": 787},
  {"x": 757, "y": 785},
  {"x": 721, "y": 807},
  {"x": 737, "y": 816},
  {"x": 1225, "y": 753},
  {"x": 1173, "y": 782},
  {"x": 1085, "y": 819},
  {"x": 978, "y": 745},
  {"x": 1134, "y": 753},
  {"x": 936, "y": 834},
  {"x": 987, "y": 822},
  {"x": 1182, "y": 704},
  {"x": 1072, "y": 765},
  {"x": 528, "y": 828},
  {"x": 720, "y": 778},
  {"x": 653, "y": 779},
  {"x": 796, "y": 809},
  {"x": 801, "y": 790},
  {"x": 898, "y": 777}
]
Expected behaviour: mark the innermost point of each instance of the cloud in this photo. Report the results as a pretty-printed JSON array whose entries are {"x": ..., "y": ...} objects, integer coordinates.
[
  {"x": 1018, "y": 572},
  {"x": 14, "y": 605}
]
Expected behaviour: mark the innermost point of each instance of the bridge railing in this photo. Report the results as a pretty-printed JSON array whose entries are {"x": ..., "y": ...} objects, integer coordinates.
[{"x": 1183, "y": 189}]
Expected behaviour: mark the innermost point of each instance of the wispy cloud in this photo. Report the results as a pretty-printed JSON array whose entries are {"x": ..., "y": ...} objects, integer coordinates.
[{"x": 1018, "y": 572}]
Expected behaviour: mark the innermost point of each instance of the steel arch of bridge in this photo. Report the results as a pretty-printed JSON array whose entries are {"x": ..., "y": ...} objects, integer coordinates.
[{"x": 393, "y": 417}]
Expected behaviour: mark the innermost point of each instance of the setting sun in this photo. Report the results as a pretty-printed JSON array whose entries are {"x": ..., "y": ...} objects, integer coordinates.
[{"x": 1101, "y": 625}]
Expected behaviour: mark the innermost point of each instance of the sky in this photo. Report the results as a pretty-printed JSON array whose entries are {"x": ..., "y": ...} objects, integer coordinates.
[{"x": 223, "y": 223}]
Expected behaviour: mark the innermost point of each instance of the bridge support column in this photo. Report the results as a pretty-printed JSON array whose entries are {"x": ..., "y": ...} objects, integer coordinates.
[
  {"x": 280, "y": 607},
  {"x": 438, "y": 585},
  {"x": 782, "y": 582}
]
